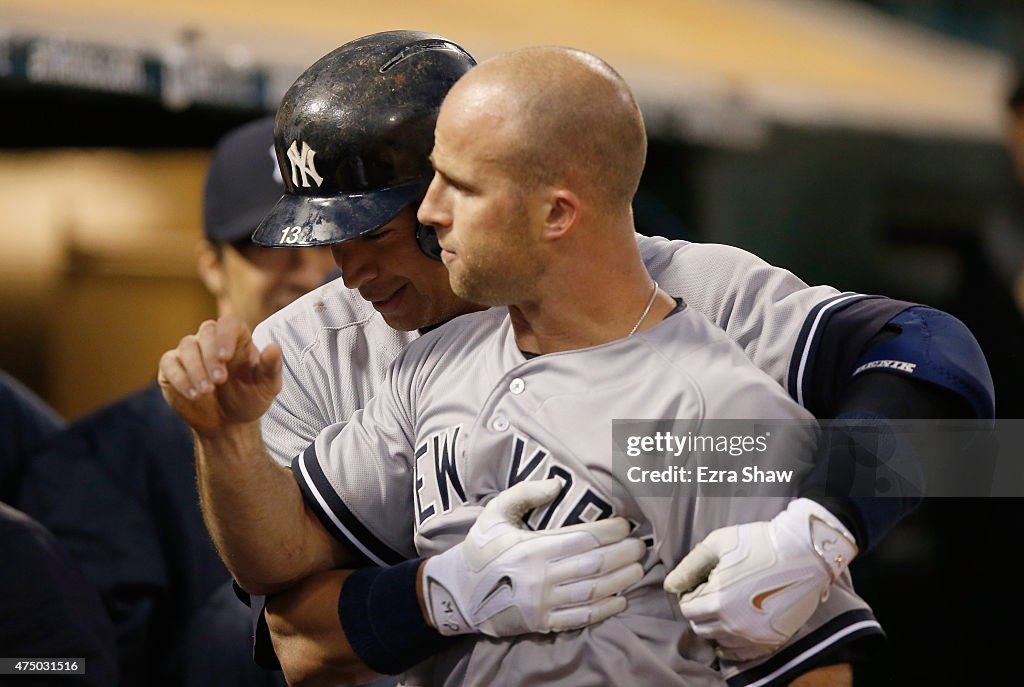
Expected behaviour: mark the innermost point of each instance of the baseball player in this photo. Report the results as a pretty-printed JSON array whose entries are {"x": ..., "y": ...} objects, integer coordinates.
[
  {"x": 832, "y": 351},
  {"x": 337, "y": 344},
  {"x": 464, "y": 396}
]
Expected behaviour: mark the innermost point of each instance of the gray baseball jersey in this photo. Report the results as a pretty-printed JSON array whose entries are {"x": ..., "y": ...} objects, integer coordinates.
[
  {"x": 336, "y": 347},
  {"x": 463, "y": 414}
]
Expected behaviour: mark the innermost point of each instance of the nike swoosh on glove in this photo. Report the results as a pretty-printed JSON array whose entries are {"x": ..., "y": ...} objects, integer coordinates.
[
  {"x": 506, "y": 580},
  {"x": 750, "y": 587}
]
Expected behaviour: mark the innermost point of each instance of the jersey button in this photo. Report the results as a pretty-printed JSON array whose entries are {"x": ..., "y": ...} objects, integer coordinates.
[
  {"x": 517, "y": 386},
  {"x": 499, "y": 423}
]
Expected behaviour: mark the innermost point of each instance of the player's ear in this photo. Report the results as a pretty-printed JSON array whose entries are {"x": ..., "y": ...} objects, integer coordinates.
[
  {"x": 564, "y": 209},
  {"x": 210, "y": 265}
]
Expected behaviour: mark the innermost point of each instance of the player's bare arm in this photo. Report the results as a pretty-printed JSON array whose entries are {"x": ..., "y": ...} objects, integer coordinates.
[
  {"x": 307, "y": 636},
  {"x": 221, "y": 384},
  {"x": 839, "y": 675}
]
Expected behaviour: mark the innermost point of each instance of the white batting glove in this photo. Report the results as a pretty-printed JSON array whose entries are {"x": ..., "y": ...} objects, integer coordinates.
[
  {"x": 506, "y": 580},
  {"x": 750, "y": 587}
]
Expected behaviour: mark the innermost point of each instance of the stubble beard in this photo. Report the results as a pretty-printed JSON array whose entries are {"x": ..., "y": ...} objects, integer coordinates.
[{"x": 500, "y": 276}]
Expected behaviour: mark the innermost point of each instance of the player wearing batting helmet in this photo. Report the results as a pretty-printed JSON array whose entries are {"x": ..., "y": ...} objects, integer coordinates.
[{"x": 337, "y": 344}]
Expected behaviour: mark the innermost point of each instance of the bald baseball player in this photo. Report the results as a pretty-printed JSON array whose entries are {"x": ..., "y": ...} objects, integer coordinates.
[
  {"x": 337, "y": 343},
  {"x": 595, "y": 323},
  {"x": 836, "y": 353}
]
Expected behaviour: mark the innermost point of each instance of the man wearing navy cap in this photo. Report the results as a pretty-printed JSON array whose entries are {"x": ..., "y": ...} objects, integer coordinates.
[
  {"x": 117, "y": 488},
  {"x": 242, "y": 185}
]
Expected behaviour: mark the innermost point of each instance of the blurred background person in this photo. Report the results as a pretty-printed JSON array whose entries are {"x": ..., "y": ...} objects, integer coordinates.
[
  {"x": 50, "y": 611},
  {"x": 47, "y": 608},
  {"x": 117, "y": 487},
  {"x": 992, "y": 296},
  {"x": 27, "y": 424}
]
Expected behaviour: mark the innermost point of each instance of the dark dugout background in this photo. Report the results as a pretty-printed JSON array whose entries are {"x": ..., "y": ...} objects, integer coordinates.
[{"x": 865, "y": 212}]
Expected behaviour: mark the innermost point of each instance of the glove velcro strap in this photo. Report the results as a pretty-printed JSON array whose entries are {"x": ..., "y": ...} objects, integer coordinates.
[
  {"x": 380, "y": 614},
  {"x": 830, "y": 539}
]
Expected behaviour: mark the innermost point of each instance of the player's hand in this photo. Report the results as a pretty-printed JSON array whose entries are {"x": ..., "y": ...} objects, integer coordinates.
[
  {"x": 505, "y": 580},
  {"x": 217, "y": 377},
  {"x": 750, "y": 587}
]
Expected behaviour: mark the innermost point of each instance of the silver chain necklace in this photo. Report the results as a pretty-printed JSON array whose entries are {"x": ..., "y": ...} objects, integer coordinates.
[{"x": 650, "y": 302}]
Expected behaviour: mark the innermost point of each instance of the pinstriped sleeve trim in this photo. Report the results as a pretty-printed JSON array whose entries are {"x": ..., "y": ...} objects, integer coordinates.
[
  {"x": 832, "y": 338},
  {"x": 339, "y": 520},
  {"x": 807, "y": 343}
]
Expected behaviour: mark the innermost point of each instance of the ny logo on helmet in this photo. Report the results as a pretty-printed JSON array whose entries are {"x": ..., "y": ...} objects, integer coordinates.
[{"x": 302, "y": 163}]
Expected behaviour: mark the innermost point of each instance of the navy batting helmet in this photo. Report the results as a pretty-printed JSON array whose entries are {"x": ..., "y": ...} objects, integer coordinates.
[{"x": 354, "y": 133}]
